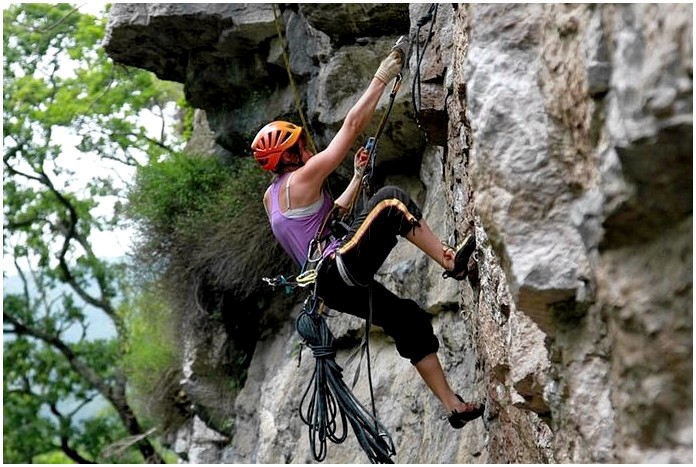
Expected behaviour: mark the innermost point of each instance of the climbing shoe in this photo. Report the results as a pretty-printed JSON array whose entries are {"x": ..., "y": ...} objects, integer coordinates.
[
  {"x": 459, "y": 419},
  {"x": 461, "y": 258}
]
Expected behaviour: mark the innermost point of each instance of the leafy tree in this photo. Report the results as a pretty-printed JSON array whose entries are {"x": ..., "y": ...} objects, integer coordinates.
[{"x": 57, "y": 84}]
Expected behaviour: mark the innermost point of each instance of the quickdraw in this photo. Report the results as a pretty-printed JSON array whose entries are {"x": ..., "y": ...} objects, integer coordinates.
[
  {"x": 306, "y": 278},
  {"x": 367, "y": 172},
  {"x": 303, "y": 280}
]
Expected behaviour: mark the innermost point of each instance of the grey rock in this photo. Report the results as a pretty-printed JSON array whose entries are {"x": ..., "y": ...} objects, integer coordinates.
[{"x": 560, "y": 135}]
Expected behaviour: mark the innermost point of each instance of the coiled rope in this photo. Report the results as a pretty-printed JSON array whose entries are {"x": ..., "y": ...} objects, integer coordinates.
[{"x": 328, "y": 403}]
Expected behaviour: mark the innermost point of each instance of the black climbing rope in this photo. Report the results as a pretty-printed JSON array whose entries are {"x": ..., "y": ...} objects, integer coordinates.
[
  {"x": 429, "y": 17},
  {"x": 328, "y": 403}
]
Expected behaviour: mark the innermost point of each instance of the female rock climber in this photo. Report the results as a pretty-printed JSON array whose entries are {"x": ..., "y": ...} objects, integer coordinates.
[{"x": 297, "y": 204}]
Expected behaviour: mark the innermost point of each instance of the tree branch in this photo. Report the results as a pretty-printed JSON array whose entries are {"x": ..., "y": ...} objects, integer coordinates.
[
  {"x": 11, "y": 225},
  {"x": 66, "y": 422},
  {"x": 70, "y": 234},
  {"x": 116, "y": 395},
  {"x": 129, "y": 161},
  {"x": 57, "y": 23},
  {"x": 14, "y": 171},
  {"x": 74, "y": 361},
  {"x": 71, "y": 453},
  {"x": 155, "y": 142}
]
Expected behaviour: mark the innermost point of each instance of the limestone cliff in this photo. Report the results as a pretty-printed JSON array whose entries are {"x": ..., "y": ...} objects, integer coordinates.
[{"x": 560, "y": 134}]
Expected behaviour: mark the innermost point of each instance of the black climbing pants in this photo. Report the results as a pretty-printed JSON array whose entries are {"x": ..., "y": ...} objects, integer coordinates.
[{"x": 372, "y": 236}]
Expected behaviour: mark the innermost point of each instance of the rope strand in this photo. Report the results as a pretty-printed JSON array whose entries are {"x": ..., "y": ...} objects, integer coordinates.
[
  {"x": 298, "y": 103},
  {"x": 429, "y": 16}
]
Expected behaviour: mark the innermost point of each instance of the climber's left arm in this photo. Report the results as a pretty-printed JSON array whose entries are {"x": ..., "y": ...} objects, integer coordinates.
[{"x": 348, "y": 195}]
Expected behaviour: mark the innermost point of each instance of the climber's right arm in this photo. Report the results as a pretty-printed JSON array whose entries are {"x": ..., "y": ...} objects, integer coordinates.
[{"x": 322, "y": 164}]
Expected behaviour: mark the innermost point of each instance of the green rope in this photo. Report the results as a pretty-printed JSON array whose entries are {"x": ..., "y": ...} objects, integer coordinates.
[{"x": 292, "y": 81}]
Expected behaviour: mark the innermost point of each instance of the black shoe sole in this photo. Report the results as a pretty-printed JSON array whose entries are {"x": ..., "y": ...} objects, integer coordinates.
[
  {"x": 461, "y": 258},
  {"x": 459, "y": 419}
]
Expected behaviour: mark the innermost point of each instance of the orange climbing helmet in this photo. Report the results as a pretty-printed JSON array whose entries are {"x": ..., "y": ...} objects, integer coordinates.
[{"x": 272, "y": 140}]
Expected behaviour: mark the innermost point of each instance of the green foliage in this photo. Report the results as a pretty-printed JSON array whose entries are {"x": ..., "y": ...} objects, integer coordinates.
[
  {"x": 151, "y": 347},
  {"x": 22, "y": 437},
  {"x": 153, "y": 359},
  {"x": 38, "y": 381},
  {"x": 53, "y": 457},
  {"x": 187, "y": 121},
  {"x": 190, "y": 211},
  {"x": 170, "y": 193},
  {"x": 60, "y": 90}
]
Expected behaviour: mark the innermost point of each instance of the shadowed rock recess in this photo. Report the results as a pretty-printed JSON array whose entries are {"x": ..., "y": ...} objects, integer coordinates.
[{"x": 561, "y": 135}]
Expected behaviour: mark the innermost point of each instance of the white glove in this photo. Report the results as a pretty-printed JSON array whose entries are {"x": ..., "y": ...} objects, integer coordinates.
[{"x": 390, "y": 67}]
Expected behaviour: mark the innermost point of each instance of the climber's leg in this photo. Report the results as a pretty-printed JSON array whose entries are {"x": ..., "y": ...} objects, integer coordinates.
[
  {"x": 431, "y": 371},
  {"x": 424, "y": 238},
  {"x": 453, "y": 260},
  {"x": 460, "y": 412},
  {"x": 391, "y": 213},
  {"x": 400, "y": 318}
]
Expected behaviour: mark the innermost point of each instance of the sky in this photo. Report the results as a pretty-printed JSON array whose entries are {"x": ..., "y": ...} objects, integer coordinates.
[
  {"x": 106, "y": 245},
  {"x": 112, "y": 244}
]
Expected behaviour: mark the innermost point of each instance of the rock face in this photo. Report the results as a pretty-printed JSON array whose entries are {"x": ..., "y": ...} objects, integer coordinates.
[{"x": 561, "y": 135}]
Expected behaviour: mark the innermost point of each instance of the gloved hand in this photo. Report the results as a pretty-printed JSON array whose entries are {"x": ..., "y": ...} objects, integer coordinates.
[{"x": 390, "y": 67}]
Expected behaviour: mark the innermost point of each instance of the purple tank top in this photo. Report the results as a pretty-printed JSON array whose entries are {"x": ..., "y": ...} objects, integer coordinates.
[{"x": 295, "y": 233}]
